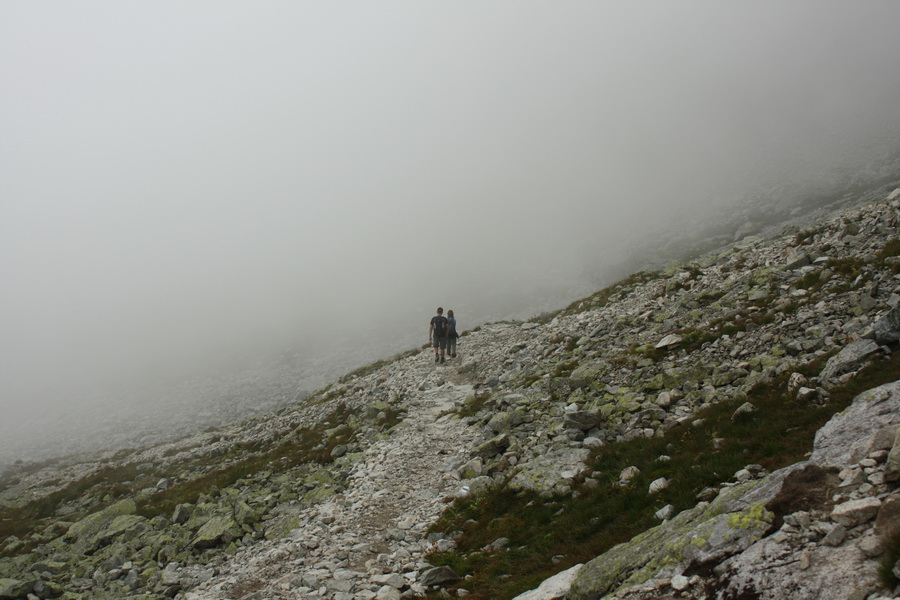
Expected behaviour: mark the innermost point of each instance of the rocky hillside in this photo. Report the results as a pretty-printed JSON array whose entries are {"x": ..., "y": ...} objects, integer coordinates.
[{"x": 654, "y": 440}]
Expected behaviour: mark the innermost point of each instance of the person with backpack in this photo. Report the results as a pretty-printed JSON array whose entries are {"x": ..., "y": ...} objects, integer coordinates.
[
  {"x": 452, "y": 336},
  {"x": 437, "y": 335}
]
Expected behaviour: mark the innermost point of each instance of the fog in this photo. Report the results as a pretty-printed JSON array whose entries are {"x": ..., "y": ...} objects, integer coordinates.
[{"x": 187, "y": 187}]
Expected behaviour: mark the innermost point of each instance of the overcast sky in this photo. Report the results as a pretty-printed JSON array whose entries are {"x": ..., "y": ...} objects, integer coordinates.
[{"x": 183, "y": 180}]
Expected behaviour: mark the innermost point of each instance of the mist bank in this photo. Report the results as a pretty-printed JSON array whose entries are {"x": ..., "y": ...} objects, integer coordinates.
[
  {"x": 195, "y": 192},
  {"x": 263, "y": 380}
]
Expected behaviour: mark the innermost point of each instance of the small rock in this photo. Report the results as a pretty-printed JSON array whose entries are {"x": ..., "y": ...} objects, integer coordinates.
[
  {"x": 744, "y": 410},
  {"x": 797, "y": 381},
  {"x": 438, "y": 576},
  {"x": 856, "y": 512},
  {"x": 658, "y": 485},
  {"x": 627, "y": 474},
  {"x": 836, "y": 536},
  {"x": 871, "y": 546},
  {"x": 672, "y": 339},
  {"x": 665, "y": 513},
  {"x": 805, "y": 394},
  {"x": 680, "y": 583}
]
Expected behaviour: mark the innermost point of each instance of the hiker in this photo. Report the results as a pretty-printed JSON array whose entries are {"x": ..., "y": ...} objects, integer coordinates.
[
  {"x": 437, "y": 334},
  {"x": 452, "y": 336}
]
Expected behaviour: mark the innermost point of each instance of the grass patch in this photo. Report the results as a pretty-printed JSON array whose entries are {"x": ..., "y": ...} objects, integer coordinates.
[
  {"x": 807, "y": 236},
  {"x": 812, "y": 281},
  {"x": 601, "y": 298},
  {"x": 890, "y": 557},
  {"x": 111, "y": 482},
  {"x": 581, "y": 526},
  {"x": 530, "y": 380},
  {"x": 891, "y": 248},
  {"x": 694, "y": 338},
  {"x": 304, "y": 445},
  {"x": 474, "y": 404},
  {"x": 371, "y": 368},
  {"x": 845, "y": 266},
  {"x": 565, "y": 369}
]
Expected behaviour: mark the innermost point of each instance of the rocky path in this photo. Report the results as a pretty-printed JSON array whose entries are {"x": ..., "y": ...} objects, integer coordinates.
[{"x": 369, "y": 540}]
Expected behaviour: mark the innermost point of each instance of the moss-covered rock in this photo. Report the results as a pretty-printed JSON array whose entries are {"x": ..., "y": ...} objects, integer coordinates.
[
  {"x": 544, "y": 473},
  {"x": 12, "y": 589},
  {"x": 694, "y": 537},
  {"x": 89, "y": 533},
  {"x": 218, "y": 530},
  {"x": 587, "y": 373}
]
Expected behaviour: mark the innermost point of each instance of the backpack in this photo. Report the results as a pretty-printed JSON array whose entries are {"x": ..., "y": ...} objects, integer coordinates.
[
  {"x": 452, "y": 332},
  {"x": 440, "y": 327}
]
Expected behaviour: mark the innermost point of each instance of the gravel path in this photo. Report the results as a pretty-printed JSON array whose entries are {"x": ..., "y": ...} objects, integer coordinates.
[{"x": 368, "y": 541}]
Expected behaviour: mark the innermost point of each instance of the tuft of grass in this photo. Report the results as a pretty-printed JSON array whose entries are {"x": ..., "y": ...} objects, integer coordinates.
[
  {"x": 580, "y": 526},
  {"x": 845, "y": 266},
  {"x": 807, "y": 236},
  {"x": 474, "y": 404},
  {"x": 601, "y": 298},
  {"x": 812, "y": 281},
  {"x": 371, "y": 368},
  {"x": 565, "y": 369},
  {"x": 890, "y": 557},
  {"x": 890, "y": 249}
]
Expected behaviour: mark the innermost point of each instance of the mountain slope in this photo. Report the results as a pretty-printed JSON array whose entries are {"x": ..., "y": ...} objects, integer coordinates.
[{"x": 498, "y": 466}]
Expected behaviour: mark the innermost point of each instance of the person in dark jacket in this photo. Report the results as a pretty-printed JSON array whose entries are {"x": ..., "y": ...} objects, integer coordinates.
[
  {"x": 437, "y": 334},
  {"x": 452, "y": 335}
]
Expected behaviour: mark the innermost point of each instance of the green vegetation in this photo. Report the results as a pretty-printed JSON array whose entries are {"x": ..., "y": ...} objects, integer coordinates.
[
  {"x": 474, "y": 404},
  {"x": 812, "y": 281},
  {"x": 806, "y": 237},
  {"x": 371, "y": 368},
  {"x": 890, "y": 557},
  {"x": 730, "y": 324},
  {"x": 564, "y": 369},
  {"x": 304, "y": 445},
  {"x": 578, "y": 527},
  {"x": 890, "y": 249},
  {"x": 103, "y": 486},
  {"x": 601, "y": 298}
]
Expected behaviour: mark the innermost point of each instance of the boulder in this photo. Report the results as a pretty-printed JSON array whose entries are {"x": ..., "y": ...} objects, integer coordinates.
[
  {"x": 492, "y": 447},
  {"x": 796, "y": 259},
  {"x": 672, "y": 339},
  {"x": 892, "y": 466},
  {"x": 821, "y": 573},
  {"x": 503, "y": 422},
  {"x": 218, "y": 530},
  {"x": 847, "y": 437},
  {"x": 743, "y": 411},
  {"x": 13, "y": 589},
  {"x": 438, "y": 576},
  {"x": 702, "y": 535},
  {"x": 554, "y": 588},
  {"x": 583, "y": 420},
  {"x": 85, "y": 534},
  {"x": 887, "y": 329},
  {"x": 658, "y": 485},
  {"x": 544, "y": 472},
  {"x": 856, "y": 512},
  {"x": 387, "y": 592},
  {"x": 587, "y": 373},
  {"x": 849, "y": 359}
]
